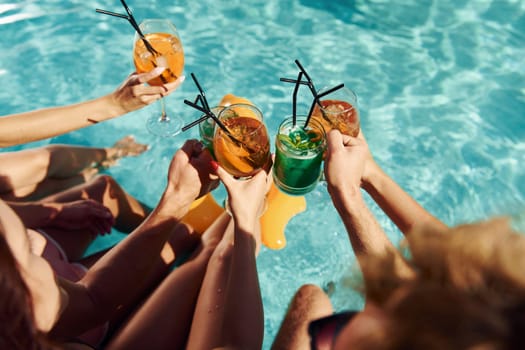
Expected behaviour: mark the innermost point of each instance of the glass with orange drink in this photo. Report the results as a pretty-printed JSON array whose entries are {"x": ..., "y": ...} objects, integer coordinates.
[
  {"x": 164, "y": 49},
  {"x": 245, "y": 148},
  {"x": 338, "y": 110}
]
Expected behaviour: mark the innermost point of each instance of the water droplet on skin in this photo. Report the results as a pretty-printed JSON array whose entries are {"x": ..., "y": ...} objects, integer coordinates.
[{"x": 219, "y": 290}]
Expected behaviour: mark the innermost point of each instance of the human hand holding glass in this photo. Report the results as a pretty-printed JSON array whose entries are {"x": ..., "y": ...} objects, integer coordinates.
[
  {"x": 345, "y": 152},
  {"x": 238, "y": 204},
  {"x": 162, "y": 48}
]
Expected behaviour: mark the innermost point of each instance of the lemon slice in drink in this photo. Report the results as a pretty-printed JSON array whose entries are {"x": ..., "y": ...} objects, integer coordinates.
[{"x": 234, "y": 157}]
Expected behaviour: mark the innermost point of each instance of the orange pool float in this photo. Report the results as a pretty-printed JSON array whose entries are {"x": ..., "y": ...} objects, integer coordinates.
[
  {"x": 230, "y": 99},
  {"x": 281, "y": 208},
  {"x": 203, "y": 212}
]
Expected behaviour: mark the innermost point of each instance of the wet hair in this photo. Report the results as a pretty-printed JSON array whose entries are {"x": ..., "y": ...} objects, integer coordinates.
[
  {"x": 467, "y": 290},
  {"x": 18, "y": 329}
]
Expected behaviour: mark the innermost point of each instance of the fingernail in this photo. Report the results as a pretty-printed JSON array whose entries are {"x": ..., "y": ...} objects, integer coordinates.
[
  {"x": 214, "y": 165},
  {"x": 182, "y": 78}
]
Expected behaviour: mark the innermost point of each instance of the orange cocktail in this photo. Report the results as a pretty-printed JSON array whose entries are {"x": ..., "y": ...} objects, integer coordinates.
[
  {"x": 169, "y": 52},
  {"x": 246, "y": 149},
  {"x": 339, "y": 111},
  {"x": 160, "y": 47}
]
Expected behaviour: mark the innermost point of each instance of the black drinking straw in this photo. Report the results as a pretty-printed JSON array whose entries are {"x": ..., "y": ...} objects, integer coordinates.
[
  {"x": 294, "y": 98},
  {"x": 317, "y": 100},
  {"x": 310, "y": 82},
  {"x": 219, "y": 123},
  {"x": 204, "y": 102},
  {"x": 210, "y": 115},
  {"x": 329, "y": 91},
  {"x": 201, "y": 91},
  {"x": 114, "y": 14},
  {"x": 288, "y": 80},
  {"x": 133, "y": 23},
  {"x": 197, "y": 121}
]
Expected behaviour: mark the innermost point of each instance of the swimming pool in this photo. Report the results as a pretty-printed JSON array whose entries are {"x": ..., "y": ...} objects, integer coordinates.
[{"x": 441, "y": 87}]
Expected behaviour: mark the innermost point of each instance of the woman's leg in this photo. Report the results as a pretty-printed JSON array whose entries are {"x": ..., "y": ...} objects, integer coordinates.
[
  {"x": 229, "y": 309},
  {"x": 209, "y": 310},
  {"x": 128, "y": 212},
  {"x": 34, "y": 173},
  {"x": 164, "y": 320}
]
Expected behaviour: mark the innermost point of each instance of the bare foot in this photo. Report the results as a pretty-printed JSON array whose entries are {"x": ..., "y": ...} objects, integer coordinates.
[{"x": 125, "y": 147}]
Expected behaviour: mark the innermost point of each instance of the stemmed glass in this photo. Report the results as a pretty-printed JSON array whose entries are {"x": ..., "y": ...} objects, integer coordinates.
[
  {"x": 243, "y": 147},
  {"x": 162, "y": 49}
]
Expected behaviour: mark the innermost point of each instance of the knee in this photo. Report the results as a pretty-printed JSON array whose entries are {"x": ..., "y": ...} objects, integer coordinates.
[
  {"x": 310, "y": 292},
  {"x": 312, "y": 300}
]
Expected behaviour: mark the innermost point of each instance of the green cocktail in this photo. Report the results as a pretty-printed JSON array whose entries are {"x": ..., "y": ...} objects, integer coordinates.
[
  {"x": 298, "y": 155},
  {"x": 207, "y": 129}
]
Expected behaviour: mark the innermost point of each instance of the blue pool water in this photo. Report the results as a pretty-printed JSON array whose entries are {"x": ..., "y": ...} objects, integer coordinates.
[{"x": 441, "y": 85}]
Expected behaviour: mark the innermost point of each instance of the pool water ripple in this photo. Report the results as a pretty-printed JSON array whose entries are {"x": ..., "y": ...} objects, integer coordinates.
[{"x": 441, "y": 91}]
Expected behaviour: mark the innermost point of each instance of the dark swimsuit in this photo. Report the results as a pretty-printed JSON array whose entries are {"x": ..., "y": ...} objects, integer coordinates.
[{"x": 326, "y": 329}]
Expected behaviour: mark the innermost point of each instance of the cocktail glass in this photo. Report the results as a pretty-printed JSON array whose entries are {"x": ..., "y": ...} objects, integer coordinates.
[
  {"x": 339, "y": 111},
  {"x": 162, "y": 35},
  {"x": 245, "y": 149},
  {"x": 298, "y": 155},
  {"x": 207, "y": 129}
]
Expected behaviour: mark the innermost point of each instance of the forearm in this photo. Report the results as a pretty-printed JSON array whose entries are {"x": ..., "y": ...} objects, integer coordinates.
[
  {"x": 50, "y": 122},
  {"x": 365, "y": 234},
  {"x": 244, "y": 305},
  {"x": 400, "y": 207},
  {"x": 121, "y": 274}
]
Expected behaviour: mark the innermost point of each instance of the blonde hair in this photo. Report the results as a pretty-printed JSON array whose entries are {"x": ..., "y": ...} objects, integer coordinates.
[{"x": 467, "y": 289}]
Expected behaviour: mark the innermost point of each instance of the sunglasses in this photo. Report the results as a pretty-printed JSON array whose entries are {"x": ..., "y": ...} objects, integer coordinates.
[{"x": 324, "y": 331}]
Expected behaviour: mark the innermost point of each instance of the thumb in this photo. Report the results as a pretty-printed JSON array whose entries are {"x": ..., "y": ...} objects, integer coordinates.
[
  {"x": 334, "y": 139},
  {"x": 225, "y": 177}
]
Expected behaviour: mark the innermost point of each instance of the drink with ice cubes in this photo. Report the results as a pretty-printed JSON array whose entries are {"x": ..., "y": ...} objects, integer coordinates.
[{"x": 298, "y": 155}]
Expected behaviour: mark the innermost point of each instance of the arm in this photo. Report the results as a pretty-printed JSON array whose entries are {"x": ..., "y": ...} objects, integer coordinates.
[
  {"x": 366, "y": 235},
  {"x": 131, "y": 95},
  {"x": 117, "y": 279},
  {"x": 243, "y": 323},
  {"x": 400, "y": 207}
]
